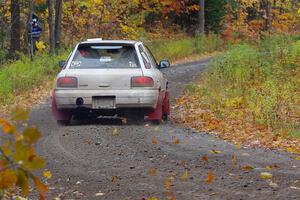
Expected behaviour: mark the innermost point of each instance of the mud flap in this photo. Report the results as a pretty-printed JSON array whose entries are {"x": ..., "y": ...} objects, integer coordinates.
[
  {"x": 157, "y": 113},
  {"x": 166, "y": 105},
  {"x": 58, "y": 115}
]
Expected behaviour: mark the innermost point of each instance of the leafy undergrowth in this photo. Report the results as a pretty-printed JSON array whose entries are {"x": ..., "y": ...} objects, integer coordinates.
[
  {"x": 249, "y": 95},
  {"x": 23, "y": 75},
  {"x": 180, "y": 48}
]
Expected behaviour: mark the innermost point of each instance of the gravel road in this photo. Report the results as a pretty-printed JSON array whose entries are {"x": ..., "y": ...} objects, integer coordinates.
[{"x": 106, "y": 160}]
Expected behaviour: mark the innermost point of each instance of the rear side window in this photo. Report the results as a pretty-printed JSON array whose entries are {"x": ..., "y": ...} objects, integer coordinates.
[
  {"x": 145, "y": 58},
  {"x": 102, "y": 56}
]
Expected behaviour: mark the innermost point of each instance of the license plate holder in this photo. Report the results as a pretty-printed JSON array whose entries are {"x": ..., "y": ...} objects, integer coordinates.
[{"x": 104, "y": 102}]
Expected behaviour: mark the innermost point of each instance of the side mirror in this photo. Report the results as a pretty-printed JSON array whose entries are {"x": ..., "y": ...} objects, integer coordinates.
[
  {"x": 164, "y": 64},
  {"x": 61, "y": 64}
]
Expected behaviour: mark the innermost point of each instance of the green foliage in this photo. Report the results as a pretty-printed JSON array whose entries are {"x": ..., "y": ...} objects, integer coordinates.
[
  {"x": 216, "y": 11},
  {"x": 263, "y": 79},
  {"x": 18, "y": 158},
  {"x": 3, "y": 55},
  {"x": 23, "y": 74},
  {"x": 174, "y": 49}
]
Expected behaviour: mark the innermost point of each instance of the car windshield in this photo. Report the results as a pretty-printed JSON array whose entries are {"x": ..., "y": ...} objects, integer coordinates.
[{"x": 95, "y": 56}]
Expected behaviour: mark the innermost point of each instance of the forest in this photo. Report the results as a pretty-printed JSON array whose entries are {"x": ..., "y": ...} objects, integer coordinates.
[{"x": 64, "y": 23}]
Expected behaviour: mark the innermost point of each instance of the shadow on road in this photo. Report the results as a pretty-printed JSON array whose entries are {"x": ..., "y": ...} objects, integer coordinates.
[{"x": 107, "y": 121}]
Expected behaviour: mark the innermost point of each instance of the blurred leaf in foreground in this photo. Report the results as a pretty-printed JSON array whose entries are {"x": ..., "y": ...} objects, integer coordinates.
[
  {"x": 18, "y": 157},
  {"x": 19, "y": 114}
]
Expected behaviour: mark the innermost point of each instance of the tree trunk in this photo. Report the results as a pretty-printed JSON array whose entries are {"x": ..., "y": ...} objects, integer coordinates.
[
  {"x": 58, "y": 18},
  {"x": 201, "y": 18},
  {"x": 51, "y": 27},
  {"x": 268, "y": 15},
  {"x": 15, "y": 27}
]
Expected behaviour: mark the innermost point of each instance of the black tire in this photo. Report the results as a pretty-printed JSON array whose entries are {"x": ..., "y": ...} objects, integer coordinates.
[
  {"x": 63, "y": 122},
  {"x": 135, "y": 118},
  {"x": 156, "y": 122},
  {"x": 165, "y": 117}
]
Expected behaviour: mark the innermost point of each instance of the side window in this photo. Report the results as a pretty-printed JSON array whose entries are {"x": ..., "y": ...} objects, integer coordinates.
[
  {"x": 145, "y": 58},
  {"x": 152, "y": 59}
]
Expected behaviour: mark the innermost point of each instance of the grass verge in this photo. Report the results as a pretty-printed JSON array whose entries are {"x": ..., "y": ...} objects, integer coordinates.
[
  {"x": 250, "y": 95},
  {"x": 180, "y": 48},
  {"x": 23, "y": 75}
]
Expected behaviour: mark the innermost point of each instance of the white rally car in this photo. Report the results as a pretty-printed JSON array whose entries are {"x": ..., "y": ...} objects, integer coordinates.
[{"x": 109, "y": 77}]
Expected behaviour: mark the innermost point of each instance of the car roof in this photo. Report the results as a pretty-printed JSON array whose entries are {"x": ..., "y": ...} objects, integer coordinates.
[{"x": 100, "y": 41}]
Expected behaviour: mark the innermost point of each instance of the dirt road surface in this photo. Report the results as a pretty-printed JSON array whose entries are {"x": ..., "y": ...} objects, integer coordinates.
[{"x": 106, "y": 160}]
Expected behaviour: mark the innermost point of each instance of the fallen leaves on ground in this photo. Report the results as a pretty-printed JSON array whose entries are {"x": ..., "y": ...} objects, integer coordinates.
[
  {"x": 115, "y": 131},
  {"x": 210, "y": 177},
  {"x": 153, "y": 171},
  {"x": 99, "y": 194},
  {"x": 176, "y": 141},
  {"x": 124, "y": 120},
  {"x": 185, "y": 175},
  {"x": 157, "y": 129},
  {"x": 152, "y": 198},
  {"x": 114, "y": 179},
  {"x": 191, "y": 109},
  {"x": 215, "y": 152},
  {"x": 205, "y": 158},
  {"x": 272, "y": 184},
  {"x": 154, "y": 141},
  {"x": 265, "y": 175},
  {"x": 234, "y": 160},
  {"x": 248, "y": 168},
  {"x": 47, "y": 174},
  {"x": 269, "y": 167},
  {"x": 168, "y": 183},
  {"x": 170, "y": 195}
]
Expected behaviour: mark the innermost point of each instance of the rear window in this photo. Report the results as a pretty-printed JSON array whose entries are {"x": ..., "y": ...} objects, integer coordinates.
[{"x": 95, "y": 56}]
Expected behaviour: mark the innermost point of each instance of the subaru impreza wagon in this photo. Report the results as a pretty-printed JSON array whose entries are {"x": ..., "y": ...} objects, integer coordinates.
[{"x": 111, "y": 77}]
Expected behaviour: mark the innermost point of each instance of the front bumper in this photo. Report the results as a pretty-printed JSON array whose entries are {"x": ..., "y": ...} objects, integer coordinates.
[{"x": 66, "y": 99}]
